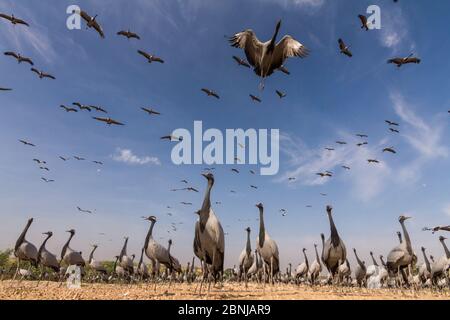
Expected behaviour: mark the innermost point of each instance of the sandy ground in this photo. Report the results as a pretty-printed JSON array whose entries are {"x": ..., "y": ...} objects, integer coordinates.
[{"x": 30, "y": 291}]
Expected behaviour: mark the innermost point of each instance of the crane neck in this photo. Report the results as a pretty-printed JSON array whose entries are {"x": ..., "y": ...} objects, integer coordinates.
[
  {"x": 42, "y": 248},
  {"x": 91, "y": 255},
  {"x": 274, "y": 38},
  {"x": 64, "y": 249},
  {"x": 373, "y": 260},
  {"x": 149, "y": 234},
  {"x": 382, "y": 262},
  {"x": 248, "y": 246},
  {"x": 262, "y": 230},
  {"x": 317, "y": 255},
  {"x": 206, "y": 206},
  {"x": 427, "y": 262},
  {"x": 123, "y": 252},
  {"x": 141, "y": 259},
  {"x": 115, "y": 264},
  {"x": 334, "y": 233},
  {"x": 359, "y": 261},
  {"x": 447, "y": 252},
  {"x": 192, "y": 265},
  {"x": 407, "y": 239},
  {"x": 22, "y": 235},
  {"x": 306, "y": 259}
]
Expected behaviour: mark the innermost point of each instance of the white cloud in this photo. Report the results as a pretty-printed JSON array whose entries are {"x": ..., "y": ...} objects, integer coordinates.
[
  {"x": 424, "y": 138},
  {"x": 127, "y": 156},
  {"x": 367, "y": 180},
  {"x": 394, "y": 33}
]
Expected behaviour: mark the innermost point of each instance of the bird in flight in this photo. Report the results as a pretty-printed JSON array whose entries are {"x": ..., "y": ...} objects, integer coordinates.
[
  {"x": 44, "y": 168},
  {"x": 190, "y": 189},
  {"x": 341, "y": 142},
  {"x": 241, "y": 62},
  {"x": 27, "y": 143},
  {"x": 109, "y": 121},
  {"x": 186, "y": 203},
  {"x": 5, "y": 89},
  {"x": 344, "y": 48},
  {"x": 42, "y": 74},
  {"x": 99, "y": 109},
  {"x": 68, "y": 109},
  {"x": 329, "y": 149},
  {"x": 254, "y": 98},
  {"x": 362, "y": 135},
  {"x": 47, "y": 180},
  {"x": 391, "y": 123},
  {"x": 362, "y": 144},
  {"x": 151, "y": 111},
  {"x": 82, "y": 106},
  {"x": 172, "y": 138},
  {"x": 391, "y": 150},
  {"x": 98, "y": 162},
  {"x": 91, "y": 22},
  {"x": 235, "y": 170},
  {"x": 373, "y": 161},
  {"x": 128, "y": 34},
  {"x": 280, "y": 94},
  {"x": 79, "y": 158},
  {"x": 39, "y": 161},
  {"x": 254, "y": 187},
  {"x": 346, "y": 167},
  {"x": 268, "y": 56},
  {"x": 63, "y": 159},
  {"x": 84, "y": 211},
  {"x": 284, "y": 70},
  {"x": 292, "y": 178},
  {"x": 363, "y": 20},
  {"x": 252, "y": 172},
  {"x": 324, "y": 174},
  {"x": 13, "y": 19},
  {"x": 210, "y": 93},
  {"x": 394, "y": 130},
  {"x": 150, "y": 58},
  {"x": 19, "y": 58},
  {"x": 401, "y": 61}
]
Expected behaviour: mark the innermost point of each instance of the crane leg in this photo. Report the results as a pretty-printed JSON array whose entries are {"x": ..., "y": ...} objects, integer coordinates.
[
  {"x": 17, "y": 269},
  {"x": 271, "y": 270}
]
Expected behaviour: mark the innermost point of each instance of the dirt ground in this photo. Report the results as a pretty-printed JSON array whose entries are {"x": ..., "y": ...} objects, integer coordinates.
[{"x": 52, "y": 291}]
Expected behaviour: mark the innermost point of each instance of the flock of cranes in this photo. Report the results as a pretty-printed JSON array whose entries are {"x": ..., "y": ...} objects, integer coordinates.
[{"x": 263, "y": 263}]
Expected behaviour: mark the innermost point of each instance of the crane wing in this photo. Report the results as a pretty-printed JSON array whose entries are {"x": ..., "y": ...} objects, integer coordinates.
[
  {"x": 287, "y": 47},
  {"x": 248, "y": 41},
  {"x": 85, "y": 16},
  {"x": 4, "y": 16},
  {"x": 395, "y": 255},
  {"x": 12, "y": 54}
]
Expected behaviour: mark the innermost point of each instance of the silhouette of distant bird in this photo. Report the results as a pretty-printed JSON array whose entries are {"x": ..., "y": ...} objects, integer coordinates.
[
  {"x": 241, "y": 62},
  {"x": 9, "y": 89},
  {"x": 280, "y": 94},
  {"x": 172, "y": 138},
  {"x": 98, "y": 162},
  {"x": 391, "y": 123},
  {"x": 91, "y": 22},
  {"x": 68, "y": 109},
  {"x": 81, "y": 106},
  {"x": 13, "y": 19},
  {"x": 363, "y": 20},
  {"x": 108, "y": 121},
  {"x": 47, "y": 180},
  {"x": 394, "y": 130},
  {"x": 128, "y": 34},
  {"x": 284, "y": 70},
  {"x": 401, "y": 61},
  {"x": 151, "y": 111},
  {"x": 150, "y": 58},
  {"x": 42, "y": 74},
  {"x": 391, "y": 150},
  {"x": 254, "y": 98},
  {"x": 210, "y": 93},
  {"x": 373, "y": 161},
  {"x": 100, "y": 109},
  {"x": 362, "y": 144},
  {"x": 341, "y": 142},
  {"x": 27, "y": 143},
  {"x": 235, "y": 170},
  {"x": 84, "y": 211},
  {"x": 362, "y": 135},
  {"x": 79, "y": 158},
  {"x": 346, "y": 168},
  {"x": 344, "y": 48},
  {"x": 18, "y": 57}
]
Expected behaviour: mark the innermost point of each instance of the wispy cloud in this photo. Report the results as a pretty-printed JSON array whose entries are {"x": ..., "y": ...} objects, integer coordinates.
[
  {"x": 423, "y": 137},
  {"x": 27, "y": 40},
  {"x": 446, "y": 209},
  {"x": 367, "y": 180},
  {"x": 394, "y": 33},
  {"x": 128, "y": 157}
]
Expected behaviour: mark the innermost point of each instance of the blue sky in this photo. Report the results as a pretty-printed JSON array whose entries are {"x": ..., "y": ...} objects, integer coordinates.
[{"x": 329, "y": 97}]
